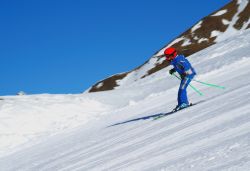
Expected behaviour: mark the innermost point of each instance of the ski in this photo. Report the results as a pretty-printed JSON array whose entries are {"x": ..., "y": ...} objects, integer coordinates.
[{"x": 173, "y": 111}]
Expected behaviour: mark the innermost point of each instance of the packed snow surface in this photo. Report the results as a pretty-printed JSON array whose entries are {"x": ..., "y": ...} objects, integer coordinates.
[{"x": 115, "y": 130}]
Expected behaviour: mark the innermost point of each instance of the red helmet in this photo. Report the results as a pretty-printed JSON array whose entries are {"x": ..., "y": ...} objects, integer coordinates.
[{"x": 170, "y": 53}]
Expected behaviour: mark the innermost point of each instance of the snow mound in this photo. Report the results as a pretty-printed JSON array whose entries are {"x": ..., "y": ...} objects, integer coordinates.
[{"x": 26, "y": 118}]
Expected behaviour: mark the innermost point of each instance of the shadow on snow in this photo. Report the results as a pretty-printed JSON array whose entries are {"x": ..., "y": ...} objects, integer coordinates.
[
  {"x": 150, "y": 116},
  {"x": 142, "y": 118}
]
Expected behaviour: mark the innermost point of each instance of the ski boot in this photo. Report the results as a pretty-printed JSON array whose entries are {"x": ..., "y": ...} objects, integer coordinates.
[{"x": 179, "y": 107}]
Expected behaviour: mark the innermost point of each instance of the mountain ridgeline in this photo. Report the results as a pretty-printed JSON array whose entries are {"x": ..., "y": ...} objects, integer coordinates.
[{"x": 216, "y": 27}]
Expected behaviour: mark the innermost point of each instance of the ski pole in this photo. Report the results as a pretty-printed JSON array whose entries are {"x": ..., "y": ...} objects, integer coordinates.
[
  {"x": 195, "y": 89},
  {"x": 208, "y": 84}
]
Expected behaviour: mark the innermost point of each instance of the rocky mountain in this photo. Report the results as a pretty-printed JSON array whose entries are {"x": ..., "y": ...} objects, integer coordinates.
[{"x": 231, "y": 19}]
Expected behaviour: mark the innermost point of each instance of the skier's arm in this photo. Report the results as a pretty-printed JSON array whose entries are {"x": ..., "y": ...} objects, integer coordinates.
[{"x": 186, "y": 67}]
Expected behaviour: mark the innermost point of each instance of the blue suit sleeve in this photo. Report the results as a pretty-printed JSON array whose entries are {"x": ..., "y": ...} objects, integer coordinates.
[
  {"x": 185, "y": 64},
  {"x": 182, "y": 65}
]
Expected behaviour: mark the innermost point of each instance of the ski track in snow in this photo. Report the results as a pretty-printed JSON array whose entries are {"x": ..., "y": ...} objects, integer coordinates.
[
  {"x": 138, "y": 140},
  {"x": 212, "y": 135}
]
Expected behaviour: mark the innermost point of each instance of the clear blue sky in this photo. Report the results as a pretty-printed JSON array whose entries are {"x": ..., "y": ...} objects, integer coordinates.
[{"x": 65, "y": 46}]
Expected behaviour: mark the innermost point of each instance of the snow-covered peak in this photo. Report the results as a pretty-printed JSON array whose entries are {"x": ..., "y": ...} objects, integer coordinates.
[{"x": 224, "y": 23}]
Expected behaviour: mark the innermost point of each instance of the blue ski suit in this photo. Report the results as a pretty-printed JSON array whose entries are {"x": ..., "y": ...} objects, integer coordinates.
[{"x": 187, "y": 73}]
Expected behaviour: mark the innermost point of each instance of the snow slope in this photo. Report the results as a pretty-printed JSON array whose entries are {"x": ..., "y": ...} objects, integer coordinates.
[
  {"x": 114, "y": 130},
  {"x": 222, "y": 24}
]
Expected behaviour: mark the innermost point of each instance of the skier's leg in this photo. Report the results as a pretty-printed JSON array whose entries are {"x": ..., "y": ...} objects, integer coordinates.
[
  {"x": 179, "y": 95},
  {"x": 182, "y": 93}
]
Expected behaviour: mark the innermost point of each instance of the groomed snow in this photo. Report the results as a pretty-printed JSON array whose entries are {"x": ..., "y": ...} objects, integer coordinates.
[{"x": 113, "y": 130}]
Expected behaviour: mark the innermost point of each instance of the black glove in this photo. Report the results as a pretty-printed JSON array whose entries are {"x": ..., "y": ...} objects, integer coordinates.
[{"x": 171, "y": 71}]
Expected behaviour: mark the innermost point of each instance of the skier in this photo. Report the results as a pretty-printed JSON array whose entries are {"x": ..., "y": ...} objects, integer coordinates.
[{"x": 186, "y": 72}]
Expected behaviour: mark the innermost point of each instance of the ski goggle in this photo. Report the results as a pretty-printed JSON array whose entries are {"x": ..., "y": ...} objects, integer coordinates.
[{"x": 170, "y": 56}]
